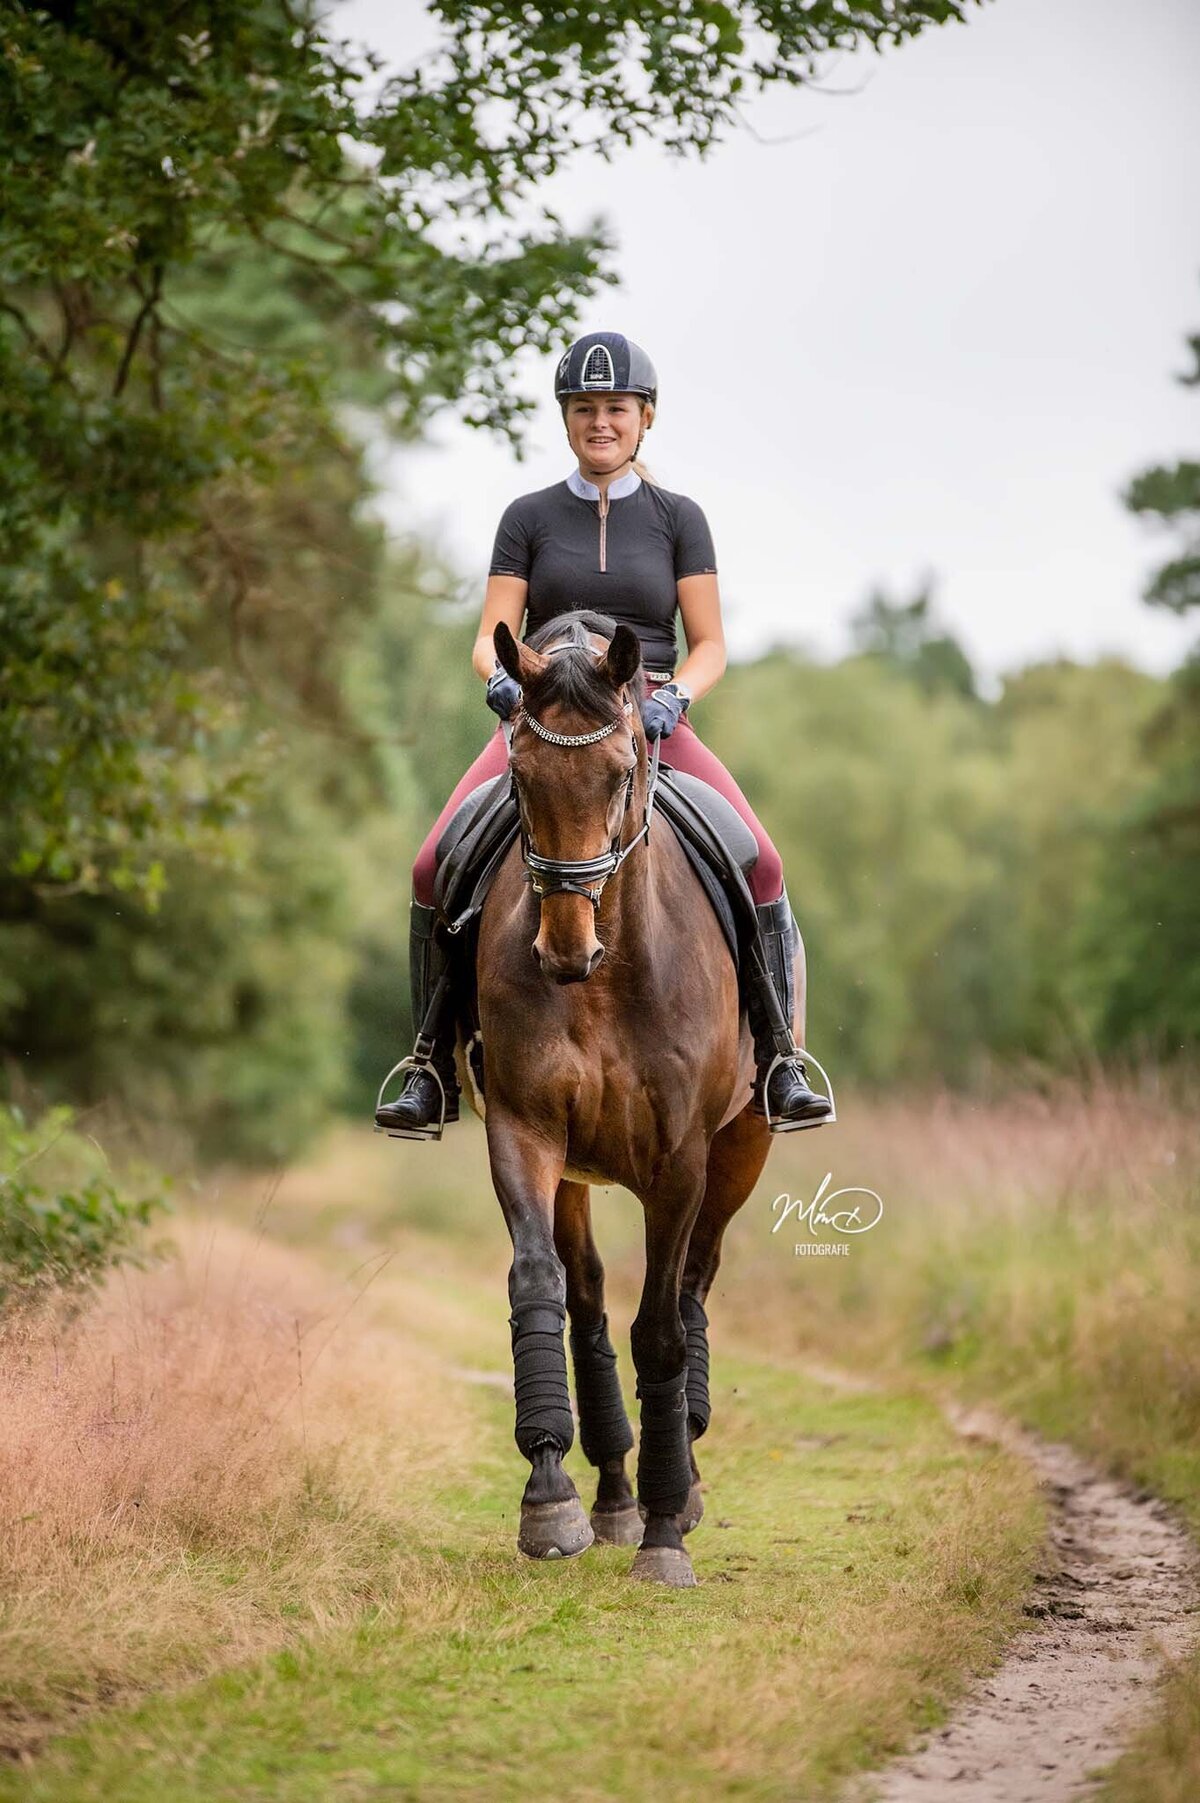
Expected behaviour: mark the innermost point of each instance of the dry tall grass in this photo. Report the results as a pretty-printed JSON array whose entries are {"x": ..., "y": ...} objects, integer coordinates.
[
  {"x": 1043, "y": 1250},
  {"x": 220, "y": 1453}
]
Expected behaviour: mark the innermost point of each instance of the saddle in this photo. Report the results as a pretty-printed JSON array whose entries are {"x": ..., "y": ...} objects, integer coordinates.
[{"x": 716, "y": 841}]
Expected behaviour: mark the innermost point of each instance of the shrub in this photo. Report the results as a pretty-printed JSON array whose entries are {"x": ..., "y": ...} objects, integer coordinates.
[{"x": 61, "y": 1238}]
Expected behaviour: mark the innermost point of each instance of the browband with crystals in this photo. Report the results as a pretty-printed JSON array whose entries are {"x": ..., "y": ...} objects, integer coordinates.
[{"x": 573, "y": 738}]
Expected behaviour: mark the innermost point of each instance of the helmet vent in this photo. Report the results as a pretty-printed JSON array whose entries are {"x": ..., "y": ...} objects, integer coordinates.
[{"x": 598, "y": 368}]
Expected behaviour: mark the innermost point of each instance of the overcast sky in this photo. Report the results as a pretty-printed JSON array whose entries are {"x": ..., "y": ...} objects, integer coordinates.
[{"x": 936, "y": 331}]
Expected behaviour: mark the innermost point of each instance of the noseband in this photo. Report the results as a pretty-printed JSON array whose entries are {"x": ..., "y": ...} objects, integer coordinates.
[{"x": 586, "y": 876}]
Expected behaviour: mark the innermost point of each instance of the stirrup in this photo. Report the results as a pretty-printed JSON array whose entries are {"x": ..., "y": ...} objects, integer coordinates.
[
  {"x": 774, "y": 1122},
  {"x": 414, "y": 1062}
]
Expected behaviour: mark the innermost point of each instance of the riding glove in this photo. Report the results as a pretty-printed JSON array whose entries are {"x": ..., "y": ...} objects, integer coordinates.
[
  {"x": 503, "y": 694},
  {"x": 662, "y": 712}
]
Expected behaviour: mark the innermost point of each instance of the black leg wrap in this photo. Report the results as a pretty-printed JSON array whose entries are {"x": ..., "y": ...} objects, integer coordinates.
[
  {"x": 540, "y": 1376},
  {"x": 695, "y": 1323},
  {"x": 604, "y": 1430},
  {"x": 664, "y": 1462}
]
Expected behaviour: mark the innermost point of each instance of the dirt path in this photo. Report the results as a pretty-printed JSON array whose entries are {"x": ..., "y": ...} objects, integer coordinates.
[{"x": 1117, "y": 1598}]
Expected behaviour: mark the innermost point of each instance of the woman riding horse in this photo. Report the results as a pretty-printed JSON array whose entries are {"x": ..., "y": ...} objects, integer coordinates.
[{"x": 609, "y": 539}]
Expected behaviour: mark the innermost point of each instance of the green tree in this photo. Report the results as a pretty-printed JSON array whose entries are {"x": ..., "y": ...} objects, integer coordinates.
[
  {"x": 906, "y": 636},
  {"x": 1146, "y": 922},
  {"x": 1072, "y": 744},
  {"x": 890, "y": 812},
  {"x": 1168, "y": 496},
  {"x": 1146, "y": 926}
]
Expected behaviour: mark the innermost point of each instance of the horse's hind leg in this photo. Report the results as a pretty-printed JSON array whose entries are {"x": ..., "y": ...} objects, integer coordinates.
[
  {"x": 526, "y": 1171},
  {"x": 735, "y": 1162},
  {"x": 604, "y": 1430}
]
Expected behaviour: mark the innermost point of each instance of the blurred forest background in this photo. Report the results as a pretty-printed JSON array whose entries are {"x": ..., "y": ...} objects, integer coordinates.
[{"x": 230, "y": 707}]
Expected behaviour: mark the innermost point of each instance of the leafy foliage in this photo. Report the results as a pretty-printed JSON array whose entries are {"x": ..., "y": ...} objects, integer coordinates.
[
  {"x": 1147, "y": 925},
  {"x": 1169, "y": 495},
  {"x": 902, "y": 635},
  {"x": 575, "y": 74},
  {"x": 60, "y": 1238}
]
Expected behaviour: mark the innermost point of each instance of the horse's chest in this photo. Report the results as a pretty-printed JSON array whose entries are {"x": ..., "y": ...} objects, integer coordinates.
[{"x": 627, "y": 1112}]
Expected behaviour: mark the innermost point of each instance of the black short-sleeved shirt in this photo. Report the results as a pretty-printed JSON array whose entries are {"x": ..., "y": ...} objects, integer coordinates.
[{"x": 626, "y": 565}]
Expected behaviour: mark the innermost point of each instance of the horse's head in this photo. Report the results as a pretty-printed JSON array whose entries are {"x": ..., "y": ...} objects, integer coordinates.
[{"x": 577, "y": 742}]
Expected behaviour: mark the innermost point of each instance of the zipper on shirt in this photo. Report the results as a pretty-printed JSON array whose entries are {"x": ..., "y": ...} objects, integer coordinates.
[{"x": 603, "y": 506}]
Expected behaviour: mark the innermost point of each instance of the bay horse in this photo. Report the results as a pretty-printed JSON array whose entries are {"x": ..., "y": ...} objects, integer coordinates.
[{"x": 614, "y": 1051}]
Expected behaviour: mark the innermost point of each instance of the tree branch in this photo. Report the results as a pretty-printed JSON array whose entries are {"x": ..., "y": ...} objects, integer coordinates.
[
  {"x": 135, "y": 331},
  {"x": 32, "y": 338}
]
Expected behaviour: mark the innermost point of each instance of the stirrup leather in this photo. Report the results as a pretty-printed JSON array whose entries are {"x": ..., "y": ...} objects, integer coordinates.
[
  {"x": 774, "y": 1122},
  {"x": 415, "y": 1061}
]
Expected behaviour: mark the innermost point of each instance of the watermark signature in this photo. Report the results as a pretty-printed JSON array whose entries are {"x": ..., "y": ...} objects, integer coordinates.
[{"x": 846, "y": 1220}]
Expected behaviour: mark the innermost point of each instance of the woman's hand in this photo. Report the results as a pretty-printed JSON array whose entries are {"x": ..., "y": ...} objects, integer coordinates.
[
  {"x": 503, "y": 694},
  {"x": 662, "y": 712}
]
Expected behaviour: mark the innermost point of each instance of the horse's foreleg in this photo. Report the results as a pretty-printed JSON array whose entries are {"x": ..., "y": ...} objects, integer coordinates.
[
  {"x": 660, "y": 1355},
  {"x": 604, "y": 1430},
  {"x": 735, "y": 1162},
  {"x": 526, "y": 1171}
]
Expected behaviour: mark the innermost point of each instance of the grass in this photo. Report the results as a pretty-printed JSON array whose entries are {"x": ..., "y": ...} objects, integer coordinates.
[
  {"x": 205, "y": 1464},
  {"x": 856, "y": 1561}
]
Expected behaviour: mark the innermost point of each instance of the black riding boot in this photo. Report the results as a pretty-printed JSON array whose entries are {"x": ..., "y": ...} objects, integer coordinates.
[
  {"x": 416, "y": 1112},
  {"x": 770, "y": 1003}
]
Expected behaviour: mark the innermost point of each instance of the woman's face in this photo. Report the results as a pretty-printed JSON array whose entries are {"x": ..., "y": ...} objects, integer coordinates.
[{"x": 604, "y": 429}]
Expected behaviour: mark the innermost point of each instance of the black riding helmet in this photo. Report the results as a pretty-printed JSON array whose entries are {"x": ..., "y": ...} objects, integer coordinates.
[{"x": 606, "y": 362}]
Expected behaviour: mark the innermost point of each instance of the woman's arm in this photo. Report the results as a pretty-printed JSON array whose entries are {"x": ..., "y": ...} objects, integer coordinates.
[
  {"x": 503, "y": 599},
  {"x": 700, "y": 607}
]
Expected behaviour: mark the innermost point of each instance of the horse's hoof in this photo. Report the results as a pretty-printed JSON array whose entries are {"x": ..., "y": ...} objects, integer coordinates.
[
  {"x": 618, "y": 1527},
  {"x": 692, "y": 1512},
  {"x": 664, "y": 1565},
  {"x": 555, "y": 1530}
]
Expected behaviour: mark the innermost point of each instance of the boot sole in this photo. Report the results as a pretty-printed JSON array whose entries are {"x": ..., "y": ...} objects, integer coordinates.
[
  {"x": 433, "y": 1130},
  {"x": 410, "y": 1132}
]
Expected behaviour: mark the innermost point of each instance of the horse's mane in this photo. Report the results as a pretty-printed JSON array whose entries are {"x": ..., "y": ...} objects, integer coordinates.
[{"x": 571, "y": 676}]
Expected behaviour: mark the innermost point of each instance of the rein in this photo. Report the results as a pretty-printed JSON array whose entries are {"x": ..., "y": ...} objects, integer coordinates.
[{"x": 586, "y": 876}]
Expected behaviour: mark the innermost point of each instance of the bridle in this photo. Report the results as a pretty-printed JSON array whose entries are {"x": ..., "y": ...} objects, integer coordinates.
[{"x": 586, "y": 876}]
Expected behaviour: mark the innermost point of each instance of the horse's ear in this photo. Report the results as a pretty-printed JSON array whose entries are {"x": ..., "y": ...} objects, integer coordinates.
[
  {"x": 623, "y": 656},
  {"x": 521, "y": 663}
]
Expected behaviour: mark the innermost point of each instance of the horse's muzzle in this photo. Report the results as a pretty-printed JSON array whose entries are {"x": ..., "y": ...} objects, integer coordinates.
[{"x": 566, "y": 970}]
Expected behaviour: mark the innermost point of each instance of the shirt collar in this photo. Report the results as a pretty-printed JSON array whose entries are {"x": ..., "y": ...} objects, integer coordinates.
[{"x": 587, "y": 491}]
